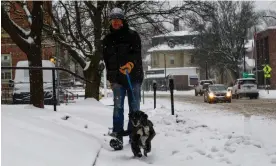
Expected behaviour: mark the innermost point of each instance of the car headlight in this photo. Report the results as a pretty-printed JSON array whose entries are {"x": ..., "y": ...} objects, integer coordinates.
[
  {"x": 211, "y": 95},
  {"x": 228, "y": 94}
]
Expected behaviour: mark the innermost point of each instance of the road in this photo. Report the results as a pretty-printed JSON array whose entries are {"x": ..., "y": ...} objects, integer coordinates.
[{"x": 264, "y": 107}]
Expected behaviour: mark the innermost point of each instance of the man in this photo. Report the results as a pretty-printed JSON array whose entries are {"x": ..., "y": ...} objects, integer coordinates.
[{"x": 122, "y": 53}]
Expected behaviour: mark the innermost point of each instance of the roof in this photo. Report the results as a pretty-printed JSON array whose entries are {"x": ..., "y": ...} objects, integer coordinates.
[
  {"x": 178, "y": 33},
  {"x": 165, "y": 47}
]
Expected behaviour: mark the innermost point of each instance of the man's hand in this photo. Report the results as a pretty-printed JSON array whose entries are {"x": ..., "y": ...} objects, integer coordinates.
[{"x": 128, "y": 66}]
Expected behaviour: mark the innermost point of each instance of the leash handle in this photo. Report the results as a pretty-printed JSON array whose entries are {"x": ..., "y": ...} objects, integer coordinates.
[{"x": 130, "y": 86}]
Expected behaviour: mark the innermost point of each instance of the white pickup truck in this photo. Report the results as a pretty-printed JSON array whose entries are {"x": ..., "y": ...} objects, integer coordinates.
[{"x": 199, "y": 87}]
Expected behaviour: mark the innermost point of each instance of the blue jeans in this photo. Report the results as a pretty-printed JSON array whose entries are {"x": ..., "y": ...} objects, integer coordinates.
[{"x": 119, "y": 93}]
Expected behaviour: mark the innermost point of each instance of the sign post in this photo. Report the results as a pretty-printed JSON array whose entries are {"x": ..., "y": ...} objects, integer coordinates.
[{"x": 267, "y": 69}]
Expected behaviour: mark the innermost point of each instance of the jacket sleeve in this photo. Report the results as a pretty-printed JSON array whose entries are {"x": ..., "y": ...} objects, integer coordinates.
[{"x": 136, "y": 56}]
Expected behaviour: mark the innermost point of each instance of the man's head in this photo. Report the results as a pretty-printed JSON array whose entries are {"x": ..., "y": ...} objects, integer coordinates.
[{"x": 116, "y": 17}]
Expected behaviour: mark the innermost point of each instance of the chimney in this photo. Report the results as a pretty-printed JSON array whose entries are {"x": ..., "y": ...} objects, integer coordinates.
[{"x": 176, "y": 24}]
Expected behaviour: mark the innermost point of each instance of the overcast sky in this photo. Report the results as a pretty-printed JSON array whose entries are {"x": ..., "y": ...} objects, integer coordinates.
[{"x": 266, "y": 5}]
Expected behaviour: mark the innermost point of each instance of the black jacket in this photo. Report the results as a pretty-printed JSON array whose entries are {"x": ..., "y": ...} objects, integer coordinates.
[{"x": 119, "y": 47}]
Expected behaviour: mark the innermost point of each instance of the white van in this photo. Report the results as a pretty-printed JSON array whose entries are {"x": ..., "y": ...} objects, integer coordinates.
[{"x": 21, "y": 82}]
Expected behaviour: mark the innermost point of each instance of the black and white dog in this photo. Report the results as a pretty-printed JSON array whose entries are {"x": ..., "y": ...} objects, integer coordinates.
[{"x": 141, "y": 134}]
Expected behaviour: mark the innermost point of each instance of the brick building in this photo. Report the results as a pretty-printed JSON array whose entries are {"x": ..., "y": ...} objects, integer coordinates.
[
  {"x": 10, "y": 52},
  {"x": 266, "y": 54}
]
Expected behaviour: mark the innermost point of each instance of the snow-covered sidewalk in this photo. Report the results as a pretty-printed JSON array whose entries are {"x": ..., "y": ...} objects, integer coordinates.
[{"x": 194, "y": 136}]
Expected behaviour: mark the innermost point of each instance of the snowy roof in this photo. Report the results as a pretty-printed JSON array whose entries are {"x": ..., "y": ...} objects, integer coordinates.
[
  {"x": 178, "y": 33},
  {"x": 165, "y": 47},
  {"x": 190, "y": 71},
  {"x": 272, "y": 27}
]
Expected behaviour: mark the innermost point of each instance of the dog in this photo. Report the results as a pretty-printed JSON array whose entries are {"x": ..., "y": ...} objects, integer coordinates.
[{"x": 141, "y": 133}]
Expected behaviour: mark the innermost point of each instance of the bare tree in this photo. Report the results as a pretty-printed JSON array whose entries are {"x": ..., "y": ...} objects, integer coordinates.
[
  {"x": 223, "y": 35},
  {"x": 28, "y": 39},
  {"x": 80, "y": 26}
]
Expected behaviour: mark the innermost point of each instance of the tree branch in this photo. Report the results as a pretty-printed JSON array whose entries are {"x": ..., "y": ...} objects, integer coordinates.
[{"x": 12, "y": 30}]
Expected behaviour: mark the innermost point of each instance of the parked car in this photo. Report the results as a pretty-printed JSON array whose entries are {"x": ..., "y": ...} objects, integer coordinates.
[
  {"x": 245, "y": 87},
  {"x": 199, "y": 88},
  {"x": 21, "y": 84},
  {"x": 217, "y": 93}
]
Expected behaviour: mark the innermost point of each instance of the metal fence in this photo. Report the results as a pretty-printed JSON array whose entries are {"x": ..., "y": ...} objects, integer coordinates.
[{"x": 7, "y": 91}]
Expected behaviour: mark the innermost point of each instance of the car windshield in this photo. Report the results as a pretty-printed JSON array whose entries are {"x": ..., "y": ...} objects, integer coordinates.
[
  {"x": 248, "y": 81},
  {"x": 217, "y": 88}
]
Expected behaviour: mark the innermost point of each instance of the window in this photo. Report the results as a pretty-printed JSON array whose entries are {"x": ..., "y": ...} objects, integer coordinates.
[
  {"x": 6, "y": 61},
  {"x": 155, "y": 60},
  {"x": 192, "y": 59},
  {"x": 171, "y": 60}
]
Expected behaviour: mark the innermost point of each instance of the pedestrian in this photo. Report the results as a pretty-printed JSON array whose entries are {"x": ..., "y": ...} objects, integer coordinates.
[{"x": 121, "y": 52}]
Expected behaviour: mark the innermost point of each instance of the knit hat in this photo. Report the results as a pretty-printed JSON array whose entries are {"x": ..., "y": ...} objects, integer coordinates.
[{"x": 117, "y": 13}]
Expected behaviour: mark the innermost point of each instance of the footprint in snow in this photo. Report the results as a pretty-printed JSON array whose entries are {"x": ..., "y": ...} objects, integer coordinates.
[
  {"x": 202, "y": 152},
  {"x": 225, "y": 160},
  {"x": 230, "y": 149},
  {"x": 214, "y": 149}
]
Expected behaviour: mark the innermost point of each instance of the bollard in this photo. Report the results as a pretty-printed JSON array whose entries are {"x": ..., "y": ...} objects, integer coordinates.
[
  {"x": 171, "y": 84},
  {"x": 54, "y": 89},
  {"x": 154, "y": 93}
]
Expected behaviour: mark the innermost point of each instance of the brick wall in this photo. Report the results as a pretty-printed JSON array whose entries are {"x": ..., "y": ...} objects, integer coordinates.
[
  {"x": 18, "y": 55},
  {"x": 272, "y": 56}
]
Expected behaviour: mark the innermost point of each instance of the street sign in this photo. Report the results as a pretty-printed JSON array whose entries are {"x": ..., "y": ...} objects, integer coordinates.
[
  {"x": 267, "y": 69},
  {"x": 267, "y": 75},
  {"x": 245, "y": 75}
]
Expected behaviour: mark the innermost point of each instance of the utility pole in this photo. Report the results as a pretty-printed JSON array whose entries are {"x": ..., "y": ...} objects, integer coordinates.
[
  {"x": 165, "y": 71},
  {"x": 244, "y": 68},
  {"x": 58, "y": 65},
  {"x": 206, "y": 70}
]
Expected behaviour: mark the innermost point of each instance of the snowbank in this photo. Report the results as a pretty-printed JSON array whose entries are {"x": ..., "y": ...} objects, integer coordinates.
[
  {"x": 32, "y": 137},
  {"x": 264, "y": 95}
]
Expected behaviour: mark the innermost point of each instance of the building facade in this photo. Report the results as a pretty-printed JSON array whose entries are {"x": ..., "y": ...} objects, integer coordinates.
[
  {"x": 10, "y": 52},
  {"x": 172, "y": 56},
  {"x": 266, "y": 54}
]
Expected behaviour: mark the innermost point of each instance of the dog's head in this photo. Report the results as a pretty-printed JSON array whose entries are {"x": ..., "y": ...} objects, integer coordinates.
[{"x": 138, "y": 118}]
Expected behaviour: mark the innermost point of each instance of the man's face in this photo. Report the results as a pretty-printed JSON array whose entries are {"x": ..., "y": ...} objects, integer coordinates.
[{"x": 116, "y": 23}]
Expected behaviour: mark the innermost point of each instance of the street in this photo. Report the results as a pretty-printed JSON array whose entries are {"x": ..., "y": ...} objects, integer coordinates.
[{"x": 264, "y": 107}]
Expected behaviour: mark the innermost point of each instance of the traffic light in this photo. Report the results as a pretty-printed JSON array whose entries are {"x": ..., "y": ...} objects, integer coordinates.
[{"x": 53, "y": 60}]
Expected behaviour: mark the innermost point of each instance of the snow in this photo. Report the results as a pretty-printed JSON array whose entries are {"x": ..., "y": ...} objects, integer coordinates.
[
  {"x": 30, "y": 40},
  {"x": 178, "y": 33},
  {"x": 87, "y": 65},
  {"x": 250, "y": 62},
  {"x": 270, "y": 95},
  {"x": 28, "y": 14},
  {"x": 190, "y": 71},
  {"x": 271, "y": 27},
  {"x": 165, "y": 47},
  {"x": 27, "y": 33},
  {"x": 197, "y": 136},
  {"x": 147, "y": 58}
]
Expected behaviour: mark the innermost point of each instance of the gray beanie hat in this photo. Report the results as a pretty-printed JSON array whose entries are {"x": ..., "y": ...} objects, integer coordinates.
[{"x": 117, "y": 13}]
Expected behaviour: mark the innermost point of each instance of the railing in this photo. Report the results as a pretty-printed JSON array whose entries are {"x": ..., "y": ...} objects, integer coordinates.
[{"x": 53, "y": 77}]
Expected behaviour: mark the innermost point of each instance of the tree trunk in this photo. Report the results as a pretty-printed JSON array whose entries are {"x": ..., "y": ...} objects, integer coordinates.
[
  {"x": 36, "y": 78},
  {"x": 92, "y": 74}
]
